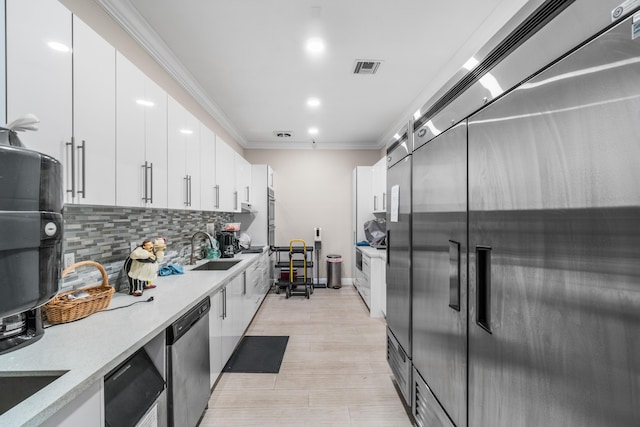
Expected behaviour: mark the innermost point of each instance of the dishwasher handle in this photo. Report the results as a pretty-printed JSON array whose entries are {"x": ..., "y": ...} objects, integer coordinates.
[{"x": 190, "y": 318}]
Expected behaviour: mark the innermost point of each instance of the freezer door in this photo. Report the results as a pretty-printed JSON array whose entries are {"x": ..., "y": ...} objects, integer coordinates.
[
  {"x": 399, "y": 252},
  {"x": 554, "y": 285},
  {"x": 439, "y": 247}
]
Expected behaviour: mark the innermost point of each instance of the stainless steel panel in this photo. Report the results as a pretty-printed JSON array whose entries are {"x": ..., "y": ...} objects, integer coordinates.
[
  {"x": 439, "y": 238},
  {"x": 398, "y": 151},
  {"x": 553, "y": 192},
  {"x": 399, "y": 255},
  {"x": 427, "y": 412},
  {"x": 400, "y": 365},
  {"x": 189, "y": 370},
  {"x": 572, "y": 26}
]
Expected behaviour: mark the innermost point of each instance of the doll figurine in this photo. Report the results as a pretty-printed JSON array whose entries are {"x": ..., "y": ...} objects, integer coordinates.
[{"x": 144, "y": 265}]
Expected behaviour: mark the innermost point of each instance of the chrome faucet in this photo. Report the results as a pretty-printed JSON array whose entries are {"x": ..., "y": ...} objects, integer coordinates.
[{"x": 207, "y": 235}]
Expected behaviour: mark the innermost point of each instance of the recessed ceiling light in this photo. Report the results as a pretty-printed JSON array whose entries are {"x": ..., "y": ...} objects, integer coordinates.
[
  {"x": 315, "y": 45},
  {"x": 58, "y": 46},
  {"x": 313, "y": 102},
  {"x": 396, "y": 136},
  {"x": 186, "y": 131},
  {"x": 145, "y": 103},
  {"x": 313, "y": 131}
]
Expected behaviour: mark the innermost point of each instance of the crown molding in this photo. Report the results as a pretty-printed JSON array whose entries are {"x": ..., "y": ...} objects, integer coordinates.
[{"x": 134, "y": 24}]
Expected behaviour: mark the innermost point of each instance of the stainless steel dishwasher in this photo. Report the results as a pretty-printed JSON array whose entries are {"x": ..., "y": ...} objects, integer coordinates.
[{"x": 188, "y": 366}]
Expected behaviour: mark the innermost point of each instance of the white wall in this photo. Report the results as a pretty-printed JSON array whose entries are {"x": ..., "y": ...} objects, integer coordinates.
[{"x": 313, "y": 189}]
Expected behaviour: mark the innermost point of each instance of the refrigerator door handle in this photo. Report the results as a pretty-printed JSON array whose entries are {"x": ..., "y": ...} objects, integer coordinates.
[
  {"x": 454, "y": 275},
  {"x": 483, "y": 291},
  {"x": 388, "y": 246}
]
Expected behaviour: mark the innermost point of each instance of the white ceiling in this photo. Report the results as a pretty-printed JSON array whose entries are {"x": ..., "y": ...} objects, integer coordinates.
[{"x": 245, "y": 60}]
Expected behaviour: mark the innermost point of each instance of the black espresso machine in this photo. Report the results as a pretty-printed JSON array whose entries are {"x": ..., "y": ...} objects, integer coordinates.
[{"x": 31, "y": 225}]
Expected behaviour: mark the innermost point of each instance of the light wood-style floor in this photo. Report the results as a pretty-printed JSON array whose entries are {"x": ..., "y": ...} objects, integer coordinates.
[{"x": 334, "y": 370}]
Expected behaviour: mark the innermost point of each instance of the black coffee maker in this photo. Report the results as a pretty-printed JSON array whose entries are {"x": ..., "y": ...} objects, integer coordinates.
[
  {"x": 31, "y": 227},
  {"x": 228, "y": 244}
]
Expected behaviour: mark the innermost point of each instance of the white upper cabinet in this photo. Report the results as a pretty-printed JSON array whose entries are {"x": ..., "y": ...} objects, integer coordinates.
[
  {"x": 380, "y": 186},
  {"x": 184, "y": 157},
  {"x": 208, "y": 190},
  {"x": 243, "y": 181},
  {"x": 39, "y": 75},
  {"x": 141, "y": 129},
  {"x": 94, "y": 118},
  {"x": 155, "y": 137},
  {"x": 225, "y": 177}
]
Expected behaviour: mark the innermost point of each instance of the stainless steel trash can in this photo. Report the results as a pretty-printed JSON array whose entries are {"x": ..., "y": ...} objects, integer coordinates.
[{"x": 334, "y": 271}]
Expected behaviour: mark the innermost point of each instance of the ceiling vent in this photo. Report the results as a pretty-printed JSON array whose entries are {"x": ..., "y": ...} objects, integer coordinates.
[
  {"x": 366, "y": 66},
  {"x": 283, "y": 133}
]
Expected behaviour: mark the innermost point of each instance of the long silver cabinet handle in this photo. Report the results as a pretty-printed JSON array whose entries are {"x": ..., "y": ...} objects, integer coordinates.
[
  {"x": 144, "y": 183},
  {"x": 84, "y": 169},
  {"x": 151, "y": 183},
  {"x": 72, "y": 144}
]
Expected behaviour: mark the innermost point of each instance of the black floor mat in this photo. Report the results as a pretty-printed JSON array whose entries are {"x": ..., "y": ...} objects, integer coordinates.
[{"x": 258, "y": 355}]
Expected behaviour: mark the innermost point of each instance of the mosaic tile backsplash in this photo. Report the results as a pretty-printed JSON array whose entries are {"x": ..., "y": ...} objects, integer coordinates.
[{"x": 103, "y": 234}]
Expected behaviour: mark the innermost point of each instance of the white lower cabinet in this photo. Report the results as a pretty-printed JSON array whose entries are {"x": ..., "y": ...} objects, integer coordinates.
[
  {"x": 226, "y": 324},
  {"x": 216, "y": 317},
  {"x": 371, "y": 283},
  {"x": 83, "y": 411},
  {"x": 232, "y": 309}
]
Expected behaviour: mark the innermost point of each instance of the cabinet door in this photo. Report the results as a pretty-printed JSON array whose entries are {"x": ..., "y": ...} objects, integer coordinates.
[
  {"x": 208, "y": 190},
  {"x": 177, "y": 184},
  {"x": 380, "y": 186},
  {"x": 215, "y": 336},
  {"x": 192, "y": 157},
  {"x": 39, "y": 78},
  {"x": 232, "y": 325},
  {"x": 225, "y": 175},
  {"x": 130, "y": 151},
  {"x": 94, "y": 115},
  {"x": 155, "y": 144},
  {"x": 270, "y": 176},
  {"x": 243, "y": 180},
  {"x": 363, "y": 200}
]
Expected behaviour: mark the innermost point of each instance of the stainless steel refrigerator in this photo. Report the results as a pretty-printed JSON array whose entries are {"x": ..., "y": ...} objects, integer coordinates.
[
  {"x": 398, "y": 273},
  {"x": 439, "y": 238},
  {"x": 543, "y": 329},
  {"x": 554, "y": 238}
]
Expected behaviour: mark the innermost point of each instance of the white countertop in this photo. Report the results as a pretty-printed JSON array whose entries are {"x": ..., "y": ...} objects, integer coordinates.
[
  {"x": 91, "y": 347},
  {"x": 373, "y": 252}
]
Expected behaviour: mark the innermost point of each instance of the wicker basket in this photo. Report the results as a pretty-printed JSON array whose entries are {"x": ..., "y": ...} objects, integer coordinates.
[{"x": 62, "y": 309}]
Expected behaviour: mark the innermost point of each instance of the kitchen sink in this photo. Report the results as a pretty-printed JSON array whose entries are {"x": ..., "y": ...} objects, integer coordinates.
[
  {"x": 16, "y": 387},
  {"x": 216, "y": 265}
]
